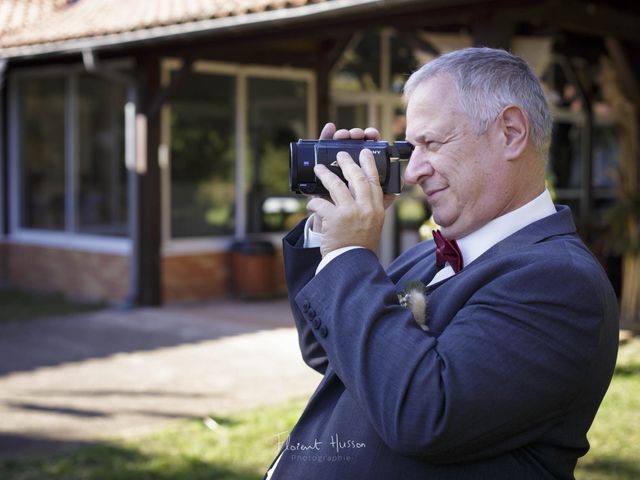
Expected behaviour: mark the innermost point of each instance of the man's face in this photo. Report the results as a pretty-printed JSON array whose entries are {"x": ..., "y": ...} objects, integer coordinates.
[{"x": 458, "y": 170}]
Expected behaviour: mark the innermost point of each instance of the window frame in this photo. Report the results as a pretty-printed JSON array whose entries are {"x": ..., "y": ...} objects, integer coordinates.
[
  {"x": 241, "y": 73},
  {"x": 67, "y": 238}
]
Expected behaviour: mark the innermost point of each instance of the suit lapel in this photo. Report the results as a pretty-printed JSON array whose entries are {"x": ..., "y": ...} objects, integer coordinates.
[{"x": 422, "y": 271}]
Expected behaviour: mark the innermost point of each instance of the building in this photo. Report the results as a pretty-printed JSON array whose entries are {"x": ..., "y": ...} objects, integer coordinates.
[{"x": 141, "y": 141}]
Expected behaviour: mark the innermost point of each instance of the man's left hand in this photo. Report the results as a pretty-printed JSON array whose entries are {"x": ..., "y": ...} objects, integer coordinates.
[{"x": 356, "y": 215}]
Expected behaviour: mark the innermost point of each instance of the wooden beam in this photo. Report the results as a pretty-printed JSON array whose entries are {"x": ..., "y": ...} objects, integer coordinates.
[
  {"x": 493, "y": 30},
  {"x": 625, "y": 68},
  {"x": 595, "y": 19},
  {"x": 147, "y": 235},
  {"x": 162, "y": 95}
]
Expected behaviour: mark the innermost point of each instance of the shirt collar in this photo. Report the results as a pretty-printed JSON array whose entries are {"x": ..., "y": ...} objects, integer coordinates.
[{"x": 481, "y": 240}]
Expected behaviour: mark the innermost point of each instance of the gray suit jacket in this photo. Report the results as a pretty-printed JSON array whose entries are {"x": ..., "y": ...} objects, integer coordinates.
[{"x": 505, "y": 385}]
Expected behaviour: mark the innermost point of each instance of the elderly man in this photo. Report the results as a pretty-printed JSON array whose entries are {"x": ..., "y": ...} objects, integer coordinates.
[{"x": 520, "y": 330}]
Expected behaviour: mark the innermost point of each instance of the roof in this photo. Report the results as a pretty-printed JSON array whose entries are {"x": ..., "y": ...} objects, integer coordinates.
[{"x": 29, "y": 27}]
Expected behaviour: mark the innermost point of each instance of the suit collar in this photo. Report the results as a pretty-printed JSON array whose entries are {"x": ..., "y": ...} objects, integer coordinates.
[{"x": 560, "y": 223}]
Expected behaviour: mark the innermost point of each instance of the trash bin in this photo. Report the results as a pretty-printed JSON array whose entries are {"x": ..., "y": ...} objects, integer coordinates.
[{"x": 252, "y": 268}]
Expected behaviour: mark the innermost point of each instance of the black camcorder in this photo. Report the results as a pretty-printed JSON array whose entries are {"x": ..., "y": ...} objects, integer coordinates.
[{"x": 305, "y": 154}]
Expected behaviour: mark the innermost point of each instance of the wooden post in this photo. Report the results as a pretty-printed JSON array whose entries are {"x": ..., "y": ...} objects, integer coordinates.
[{"x": 146, "y": 236}]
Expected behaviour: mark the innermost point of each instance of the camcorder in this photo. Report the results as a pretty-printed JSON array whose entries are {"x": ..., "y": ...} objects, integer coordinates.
[{"x": 306, "y": 154}]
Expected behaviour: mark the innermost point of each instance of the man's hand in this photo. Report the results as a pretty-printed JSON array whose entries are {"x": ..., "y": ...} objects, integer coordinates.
[
  {"x": 330, "y": 132},
  {"x": 356, "y": 215}
]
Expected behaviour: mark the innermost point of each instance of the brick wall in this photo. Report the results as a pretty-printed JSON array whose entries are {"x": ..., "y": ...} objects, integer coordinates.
[
  {"x": 76, "y": 274},
  {"x": 208, "y": 275},
  {"x": 105, "y": 277},
  {"x": 281, "y": 286},
  {"x": 189, "y": 277}
]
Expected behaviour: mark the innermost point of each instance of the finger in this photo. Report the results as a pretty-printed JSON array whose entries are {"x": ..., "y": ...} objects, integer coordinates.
[
  {"x": 369, "y": 167},
  {"x": 370, "y": 170},
  {"x": 317, "y": 223},
  {"x": 338, "y": 191},
  {"x": 342, "y": 134},
  {"x": 356, "y": 134},
  {"x": 371, "y": 133},
  {"x": 320, "y": 206},
  {"x": 359, "y": 183},
  {"x": 327, "y": 131}
]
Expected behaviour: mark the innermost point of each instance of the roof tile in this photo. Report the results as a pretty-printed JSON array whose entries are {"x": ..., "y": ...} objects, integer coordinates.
[{"x": 30, "y": 22}]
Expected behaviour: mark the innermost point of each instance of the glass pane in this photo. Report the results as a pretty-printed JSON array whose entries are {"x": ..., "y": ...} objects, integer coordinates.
[
  {"x": 350, "y": 116},
  {"x": 359, "y": 68},
  {"x": 605, "y": 156},
  {"x": 565, "y": 156},
  {"x": 409, "y": 51},
  {"x": 42, "y": 138},
  {"x": 203, "y": 156},
  {"x": 101, "y": 196},
  {"x": 277, "y": 116}
]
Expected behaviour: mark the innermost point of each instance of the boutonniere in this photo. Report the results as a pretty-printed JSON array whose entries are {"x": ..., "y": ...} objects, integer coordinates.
[{"x": 414, "y": 298}]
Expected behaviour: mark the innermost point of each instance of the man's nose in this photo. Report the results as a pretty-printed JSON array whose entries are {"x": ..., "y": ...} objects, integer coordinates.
[{"x": 418, "y": 167}]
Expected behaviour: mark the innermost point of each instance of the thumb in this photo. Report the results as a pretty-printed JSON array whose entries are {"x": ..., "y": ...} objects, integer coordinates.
[{"x": 320, "y": 206}]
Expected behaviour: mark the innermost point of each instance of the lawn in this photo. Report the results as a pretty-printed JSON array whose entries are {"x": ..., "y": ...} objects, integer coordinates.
[
  {"x": 19, "y": 305},
  {"x": 237, "y": 447},
  {"x": 615, "y": 434},
  {"x": 241, "y": 446}
]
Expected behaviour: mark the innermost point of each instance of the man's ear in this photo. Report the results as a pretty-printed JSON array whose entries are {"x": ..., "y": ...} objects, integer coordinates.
[{"x": 514, "y": 127}]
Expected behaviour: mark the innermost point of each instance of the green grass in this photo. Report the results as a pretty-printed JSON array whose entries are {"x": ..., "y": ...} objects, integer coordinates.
[
  {"x": 242, "y": 445},
  {"x": 615, "y": 433},
  {"x": 19, "y": 305}
]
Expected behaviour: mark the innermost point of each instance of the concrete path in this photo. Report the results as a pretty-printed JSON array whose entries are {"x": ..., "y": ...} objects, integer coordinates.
[{"x": 84, "y": 378}]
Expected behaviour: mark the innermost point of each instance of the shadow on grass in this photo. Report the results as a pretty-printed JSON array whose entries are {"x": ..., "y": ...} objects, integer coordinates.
[
  {"x": 609, "y": 468},
  {"x": 108, "y": 461},
  {"x": 18, "y": 305},
  {"x": 628, "y": 370}
]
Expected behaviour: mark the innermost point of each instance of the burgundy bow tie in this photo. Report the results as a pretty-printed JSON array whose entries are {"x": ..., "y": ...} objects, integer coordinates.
[{"x": 447, "y": 251}]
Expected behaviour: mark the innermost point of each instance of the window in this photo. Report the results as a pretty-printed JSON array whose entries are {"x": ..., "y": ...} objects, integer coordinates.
[
  {"x": 228, "y": 129},
  {"x": 358, "y": 70},
  {"x": 586, "y": 181},
  {"x": 366, "y": 86},
  {"x": 277, "y": 116},
  {"x": 41, "y": 103},
  {"x": 70, "y": 131},
  {"x": 101, "y": 194},
  {"x": 203, "y": 156}
]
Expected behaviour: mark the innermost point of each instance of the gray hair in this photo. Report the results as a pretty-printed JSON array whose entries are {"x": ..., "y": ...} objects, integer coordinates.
[{"x": 487, "y": 80}]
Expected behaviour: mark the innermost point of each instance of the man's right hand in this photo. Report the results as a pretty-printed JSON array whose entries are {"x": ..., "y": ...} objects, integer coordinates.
[{"x": 330, "y": 132}]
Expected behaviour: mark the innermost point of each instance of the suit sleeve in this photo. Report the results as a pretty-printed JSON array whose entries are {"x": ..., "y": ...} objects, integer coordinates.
[
  {"x": 510, "y": 361},
  {"x": 300, "y": 266}
]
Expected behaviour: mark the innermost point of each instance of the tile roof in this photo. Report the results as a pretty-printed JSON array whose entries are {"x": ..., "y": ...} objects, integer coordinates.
[{"x": 33, "y": 22}]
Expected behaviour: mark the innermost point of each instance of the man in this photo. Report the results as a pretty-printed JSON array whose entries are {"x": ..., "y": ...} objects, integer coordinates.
[{"x": 521, "y": 322}]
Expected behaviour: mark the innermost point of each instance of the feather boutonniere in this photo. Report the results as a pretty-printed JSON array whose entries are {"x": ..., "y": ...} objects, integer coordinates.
[{"x": 415, "y": 299}]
